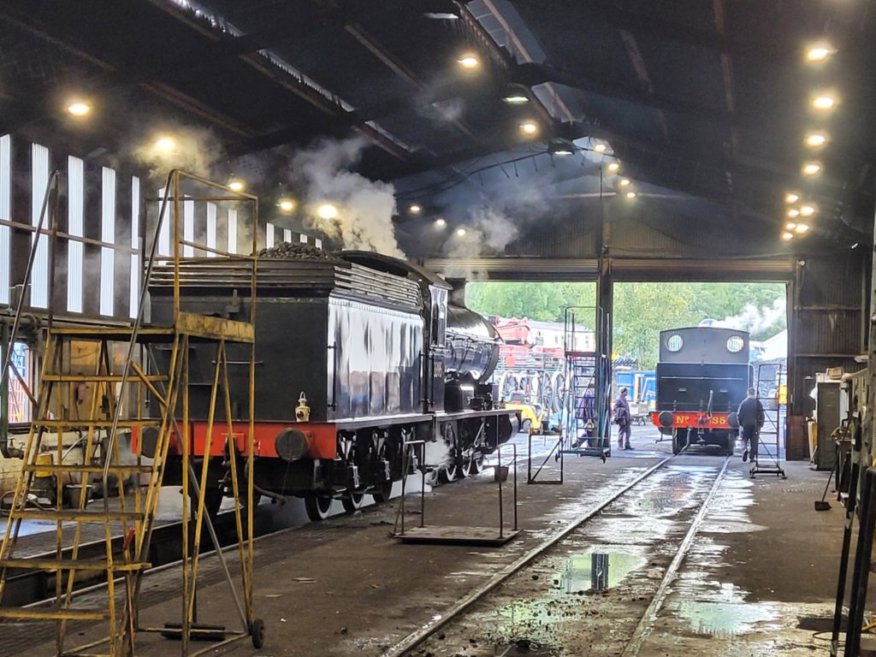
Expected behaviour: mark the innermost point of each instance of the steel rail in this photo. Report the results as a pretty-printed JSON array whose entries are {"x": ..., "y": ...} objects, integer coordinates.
[
  {"x": 417, "y": 637},
  {"x": 646, "y": 623}
]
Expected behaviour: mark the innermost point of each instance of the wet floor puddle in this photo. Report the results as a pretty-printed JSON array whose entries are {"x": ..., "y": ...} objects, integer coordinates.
[
  {"x": 595, "y": 571},
  {"x": 723, "y": 612},
  {"x": 724, "y": 619}
]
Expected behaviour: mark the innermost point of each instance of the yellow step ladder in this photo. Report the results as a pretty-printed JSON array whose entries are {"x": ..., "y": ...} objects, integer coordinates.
[
  {"x": 73, "y": 449},
  {"x": 93, "y": 387}
]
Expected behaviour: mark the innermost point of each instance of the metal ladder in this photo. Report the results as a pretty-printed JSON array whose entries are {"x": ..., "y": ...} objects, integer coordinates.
[
  {"x": 91, "y": 409},
  {"x": 64, "y": 388},
  {"x": 585, "y": 428},
  {"x": 768, "y": 457}
]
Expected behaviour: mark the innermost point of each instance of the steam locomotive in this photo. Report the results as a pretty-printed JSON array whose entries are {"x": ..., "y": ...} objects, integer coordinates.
[
  {"x": 357, "y": 353},
  {"x": 702, "y": 375}
]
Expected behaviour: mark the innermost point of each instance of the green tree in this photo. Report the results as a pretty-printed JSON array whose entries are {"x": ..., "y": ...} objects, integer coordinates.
[{"x": 641, "y": 310}]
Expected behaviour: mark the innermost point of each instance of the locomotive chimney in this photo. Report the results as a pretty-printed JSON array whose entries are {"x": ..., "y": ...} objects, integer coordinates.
[{"x": 456, "y": 296}]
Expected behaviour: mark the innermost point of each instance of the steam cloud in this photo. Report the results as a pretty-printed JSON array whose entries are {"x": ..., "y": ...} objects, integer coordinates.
[
  {"x": 195, "y": 150},
  {"x": 755, "y": 319},
  {"x": 489, "y": 232},
  {"x": 365, "y": 207}
]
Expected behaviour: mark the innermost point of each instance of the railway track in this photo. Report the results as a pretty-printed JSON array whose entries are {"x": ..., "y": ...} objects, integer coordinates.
[
  {"x": 410, "y": 644},
  {"x": 418, "y": 642},
  {"x": 27, "y": 587}
]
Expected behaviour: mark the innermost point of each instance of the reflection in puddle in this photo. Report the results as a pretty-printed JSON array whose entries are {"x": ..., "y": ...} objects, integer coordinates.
[
  {"x": 596, "y": 571},
  {"x": 725, "y": 613}
]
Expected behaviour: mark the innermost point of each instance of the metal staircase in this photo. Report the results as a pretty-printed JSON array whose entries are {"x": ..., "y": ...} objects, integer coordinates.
[
  {"x": 93, "y": 387},
  {"x": 586, "y": 431}
]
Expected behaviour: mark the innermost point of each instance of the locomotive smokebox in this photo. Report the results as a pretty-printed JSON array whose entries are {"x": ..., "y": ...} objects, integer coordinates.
[{"x": 292, "y": 445}]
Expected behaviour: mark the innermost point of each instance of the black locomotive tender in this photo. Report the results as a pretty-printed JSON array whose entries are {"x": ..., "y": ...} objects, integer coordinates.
[
  {"x": 702, "y": 376},
  {"x": 356, "y": 353}
]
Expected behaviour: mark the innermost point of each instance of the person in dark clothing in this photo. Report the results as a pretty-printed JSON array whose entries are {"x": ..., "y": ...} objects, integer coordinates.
[
  {"x": 587, "y": 414},
  {"x": 623, "y": 420},
  {"x": 751, "y": 418}
]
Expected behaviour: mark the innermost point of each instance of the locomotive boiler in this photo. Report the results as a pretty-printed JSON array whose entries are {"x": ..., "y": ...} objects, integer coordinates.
[
  {"x": 356, "y": 354},
  {"x": 702, "y": 376}
]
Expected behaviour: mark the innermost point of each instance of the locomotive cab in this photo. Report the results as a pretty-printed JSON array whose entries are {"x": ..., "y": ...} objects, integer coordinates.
[{"x": 702, "y": 377}]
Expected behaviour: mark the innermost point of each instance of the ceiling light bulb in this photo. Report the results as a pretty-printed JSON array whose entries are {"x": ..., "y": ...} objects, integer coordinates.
[
  {"x": 631, "y": 194},
  {"x": 816, "y": 139},
  {"x": 818, "y": 52},
  {"x": 460, "y": 232},
  {"x": 440, "y": 223},
  {"x": 787, "y": 236},
  {"x": 529, "y": 128},
  {"x": 286, "y": 204},
  {"x": 469, "y": 61},
  {"x": 599, "y": 148},
  {"x": 79, "y": 108},
  {"x": 165, "y": 144},
  {"x": 792, "y": 197},
  {"x": 327, "y": 211},
  {"x": 516, "y": 99},
  {"x": 614, "y": 167},
  {"x": 624, "y": 182},
  {"x": 811, "y": 169},
  {"x": 801, "y": 228},
  {"x": 415, "y": 209},
  {"x": 823, "y": 102},
  {"x": 807, "y": 210},
  {"x": 790, "y": 225},
  {"x": 793, "y": 213},
  {"x": 236, "y": 185}
]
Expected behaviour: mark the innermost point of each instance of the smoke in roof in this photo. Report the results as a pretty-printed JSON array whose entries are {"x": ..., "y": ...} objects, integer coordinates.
[
  {"x": 193, "y": 150},
  {"x": 365, "y": 207}
]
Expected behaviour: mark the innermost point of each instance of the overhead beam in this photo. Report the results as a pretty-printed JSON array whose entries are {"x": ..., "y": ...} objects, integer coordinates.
[
  {"x": 638, "y": 63},
  {"x": 370, "y": 43},
  {"x": 289, "y": 82},
  {"x": 728, "y": 80},
  {"x": 623, "y": 269},
  {"x": 612, "y": 14},
  {"x": 27, "y": 22}
]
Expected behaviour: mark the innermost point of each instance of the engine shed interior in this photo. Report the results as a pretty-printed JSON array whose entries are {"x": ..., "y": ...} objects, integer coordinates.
[{"x": 347, "y": 167}]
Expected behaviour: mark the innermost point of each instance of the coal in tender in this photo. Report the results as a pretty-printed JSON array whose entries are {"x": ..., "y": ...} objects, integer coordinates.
[{"x": 296, "y": 251}]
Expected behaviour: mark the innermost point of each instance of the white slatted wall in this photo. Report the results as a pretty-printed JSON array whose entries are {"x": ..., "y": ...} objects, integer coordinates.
[
  {"x": 90, "y": 264},
  {"x": 39, "y": 281},
  {"x": 76, "y": 228}
]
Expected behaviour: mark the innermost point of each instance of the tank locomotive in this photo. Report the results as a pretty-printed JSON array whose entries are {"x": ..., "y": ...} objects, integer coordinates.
[
  {"x": 356, "y": 354},
  {"x": 702, "y": 375}
]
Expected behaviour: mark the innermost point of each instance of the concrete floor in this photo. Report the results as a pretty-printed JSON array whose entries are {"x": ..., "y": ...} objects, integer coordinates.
[{"x": 763, "y": 563}]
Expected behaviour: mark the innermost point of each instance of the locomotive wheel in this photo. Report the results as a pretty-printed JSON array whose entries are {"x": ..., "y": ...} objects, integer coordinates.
[
  {"x": 352, "y": 502},
  {"x": 450, "y": 471},
  {"x": 317, "y": 506},
  {"x": 382, "y": 493},
  {"x": 212, "y": 501},
  {"x": 474, "y": 463},
  {"x": 679, "y": 441}
]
